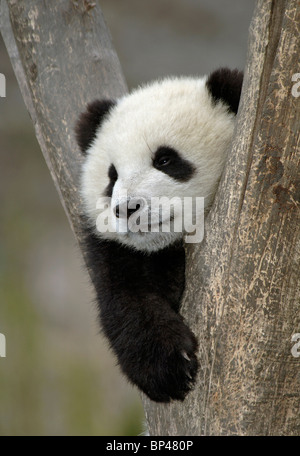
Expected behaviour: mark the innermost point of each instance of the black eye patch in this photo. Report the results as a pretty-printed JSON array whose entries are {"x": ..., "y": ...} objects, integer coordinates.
[
  {"x": 113, "y": 176},
  {"x": 168, "y": 161}
]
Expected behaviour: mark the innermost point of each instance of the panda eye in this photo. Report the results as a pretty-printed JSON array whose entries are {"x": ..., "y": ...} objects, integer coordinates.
[
  {"x": 170, "y": 162},
  {"x": 113, "y": 177},
  {"x": 164, "y": 161}
]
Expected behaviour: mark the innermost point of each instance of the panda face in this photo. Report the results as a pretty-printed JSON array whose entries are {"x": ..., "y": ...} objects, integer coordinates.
[{"x": 167, "y": 139}]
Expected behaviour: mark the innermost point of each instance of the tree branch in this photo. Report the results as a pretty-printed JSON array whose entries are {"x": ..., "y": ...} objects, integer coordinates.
[{"x": 63, "y": 58}]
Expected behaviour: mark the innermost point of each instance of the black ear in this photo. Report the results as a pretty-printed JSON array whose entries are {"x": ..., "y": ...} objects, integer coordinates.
[
  {"x": 89, "y": 122},
  {"x": 226, "y": 85}
]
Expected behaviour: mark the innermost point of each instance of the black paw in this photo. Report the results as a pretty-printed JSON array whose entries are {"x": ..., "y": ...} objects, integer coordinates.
[{"x": 166, "y": 366}]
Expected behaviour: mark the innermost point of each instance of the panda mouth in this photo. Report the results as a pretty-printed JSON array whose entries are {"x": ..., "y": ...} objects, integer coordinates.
[{"x": 152, "y": 227}]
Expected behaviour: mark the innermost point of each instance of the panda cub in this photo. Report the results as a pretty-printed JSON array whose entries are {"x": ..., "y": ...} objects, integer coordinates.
[{"x": 165, "y": 139}]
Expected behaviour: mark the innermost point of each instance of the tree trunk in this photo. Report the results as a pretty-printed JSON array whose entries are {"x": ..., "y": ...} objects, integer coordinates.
[
  {"x": 243, "y": 281},
  {"x": 242, "y": 296}
]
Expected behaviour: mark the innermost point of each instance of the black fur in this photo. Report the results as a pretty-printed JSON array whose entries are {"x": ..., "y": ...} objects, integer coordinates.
[
  {"x": 170, "y": 162},
  {"x": 113, "y": 176},
  {"x": 225, "y": 85},
  {"x": 89, "y": 121},
  {"x": 139, "y": 298}
]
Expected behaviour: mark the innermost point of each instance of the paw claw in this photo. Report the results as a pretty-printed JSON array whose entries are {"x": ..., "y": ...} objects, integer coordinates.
[
  {"x": 169, "y": 373},
  {"x": 185, "y": 355}
]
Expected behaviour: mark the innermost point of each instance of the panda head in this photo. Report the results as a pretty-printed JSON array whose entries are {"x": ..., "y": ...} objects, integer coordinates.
[{"x": 166, "y": 139}]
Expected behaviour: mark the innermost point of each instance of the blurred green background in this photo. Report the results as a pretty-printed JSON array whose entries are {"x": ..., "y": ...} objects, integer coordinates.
[{"x": 59, "y": 378}]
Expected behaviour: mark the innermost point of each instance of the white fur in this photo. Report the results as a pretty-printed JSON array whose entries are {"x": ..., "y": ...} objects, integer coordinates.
[{"x": 175, "y": 112}]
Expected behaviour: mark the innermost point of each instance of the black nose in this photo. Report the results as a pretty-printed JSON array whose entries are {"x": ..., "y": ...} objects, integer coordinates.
[{"x": 123, "y": 211}]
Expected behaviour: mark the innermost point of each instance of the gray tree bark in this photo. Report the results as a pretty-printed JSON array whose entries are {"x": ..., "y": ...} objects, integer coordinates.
[
  {"x": 242, "y": 297},
  {"x": 63, "y": 58}
]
